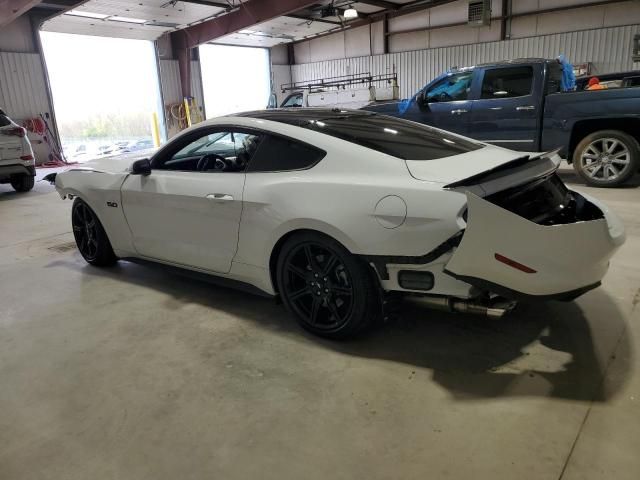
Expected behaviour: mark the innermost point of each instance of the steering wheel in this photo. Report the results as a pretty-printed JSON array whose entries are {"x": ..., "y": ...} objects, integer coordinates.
[{"x": 211, "y": 161}]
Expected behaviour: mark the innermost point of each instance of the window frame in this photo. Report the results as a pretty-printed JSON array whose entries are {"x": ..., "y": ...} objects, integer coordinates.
[
  {"x": 169, "y": 150},
  {"x": 191, "y": 136},
  {"x": 469, "y": 89},
  {"x": 286, "y": 137},
  {"x": 509, "y": 67},
  {"x": 296, "y": 95}
]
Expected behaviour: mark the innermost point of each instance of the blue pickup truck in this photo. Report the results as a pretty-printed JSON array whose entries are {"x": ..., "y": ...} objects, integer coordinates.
[{"x": 519, "y": 104}]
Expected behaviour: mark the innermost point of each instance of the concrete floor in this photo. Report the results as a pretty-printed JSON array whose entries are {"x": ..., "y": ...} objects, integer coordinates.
[{"x": 134, "y": 373}]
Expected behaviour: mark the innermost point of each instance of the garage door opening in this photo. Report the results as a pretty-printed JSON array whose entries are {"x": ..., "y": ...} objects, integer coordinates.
[
  {"x": 234, "y": 79},
  {"x": 104, "y": 90}
]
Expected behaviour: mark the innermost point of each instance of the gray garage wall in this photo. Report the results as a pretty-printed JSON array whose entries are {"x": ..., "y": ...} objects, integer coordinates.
[
  {"x": 171, "y": 85},
  {"x": 23, "y": 88},
  {"x": 427, "y": 28},
  {"x": 609, "y": 49}
]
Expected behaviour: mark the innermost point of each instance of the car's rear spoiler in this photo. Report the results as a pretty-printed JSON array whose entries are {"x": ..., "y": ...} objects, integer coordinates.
[{"x": 501, "y": 170}]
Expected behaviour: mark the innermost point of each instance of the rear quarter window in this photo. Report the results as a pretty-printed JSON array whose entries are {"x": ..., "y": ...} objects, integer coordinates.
[
  {"x": 277, "y": 154},
  {"x": 4, "y": 120}
]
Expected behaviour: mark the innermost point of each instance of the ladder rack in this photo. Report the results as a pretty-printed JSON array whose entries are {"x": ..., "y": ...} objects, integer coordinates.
[{"x": 341, "y": 81}]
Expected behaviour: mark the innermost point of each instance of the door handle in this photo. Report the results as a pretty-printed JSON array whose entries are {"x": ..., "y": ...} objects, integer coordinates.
[
  {"x": 219, "y": 197},
  {"x": 459, "y": 111},
  {"x": 525, "y": 107}
]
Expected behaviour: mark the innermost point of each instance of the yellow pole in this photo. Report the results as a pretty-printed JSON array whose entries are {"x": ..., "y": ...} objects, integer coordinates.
[
  {"x": 155, "y": 129},
  {"x": 187, "y": 111}
]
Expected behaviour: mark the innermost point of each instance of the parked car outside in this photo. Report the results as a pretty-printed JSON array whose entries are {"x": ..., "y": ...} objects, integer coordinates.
[{"x": 17, "y": 163}]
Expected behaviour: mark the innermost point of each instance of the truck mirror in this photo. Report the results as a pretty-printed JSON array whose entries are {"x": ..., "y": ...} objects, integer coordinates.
[{"x": 422, "y": 102}]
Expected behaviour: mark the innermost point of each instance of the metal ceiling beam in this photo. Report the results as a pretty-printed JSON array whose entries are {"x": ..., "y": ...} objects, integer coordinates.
[
  {"x": 224, "y": 5},
  {"x": 382, "y": 3},
  {"x": 12, "y": 9},
  {"x": 245, "y": 15}
]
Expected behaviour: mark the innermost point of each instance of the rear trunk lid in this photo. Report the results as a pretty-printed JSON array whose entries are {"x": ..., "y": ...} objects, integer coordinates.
[{"x": 486, "y": 170}]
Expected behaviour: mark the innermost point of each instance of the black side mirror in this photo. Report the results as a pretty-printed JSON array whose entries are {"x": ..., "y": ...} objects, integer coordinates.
[
  {"x": 422, "y": 102},
  {"x": 141, "y": 167}
]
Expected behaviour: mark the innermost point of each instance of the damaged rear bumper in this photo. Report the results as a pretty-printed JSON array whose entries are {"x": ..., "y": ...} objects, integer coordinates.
[{"x": 555, "y": 257}]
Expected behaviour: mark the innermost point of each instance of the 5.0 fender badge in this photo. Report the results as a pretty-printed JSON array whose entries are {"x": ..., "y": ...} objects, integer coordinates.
[{"x": 112, "y": 204}]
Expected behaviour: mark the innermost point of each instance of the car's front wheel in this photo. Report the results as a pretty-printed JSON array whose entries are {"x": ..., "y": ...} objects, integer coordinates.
[
  {"x": 22, "y": 183},
  {"x": 91, "y": 239},
  {"x": 331, "y": 292},
  {"x": 607, "y": 158}
]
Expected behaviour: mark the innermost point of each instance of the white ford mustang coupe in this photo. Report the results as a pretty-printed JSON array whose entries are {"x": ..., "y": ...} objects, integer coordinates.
[{"x": 334, "y": 210}]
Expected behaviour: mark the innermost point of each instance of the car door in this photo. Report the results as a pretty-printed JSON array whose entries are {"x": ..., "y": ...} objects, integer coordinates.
[
  {"x": 445, "y": 104},
  {"x": 504, "y": 110},
  {"x": 187, "y": 211}
]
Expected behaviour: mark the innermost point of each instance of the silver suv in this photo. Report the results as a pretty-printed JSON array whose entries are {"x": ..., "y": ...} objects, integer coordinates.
[{"x": 17, "y": 164}]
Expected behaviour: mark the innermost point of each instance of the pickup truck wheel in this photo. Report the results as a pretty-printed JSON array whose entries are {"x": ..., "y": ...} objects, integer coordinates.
[
  {"x": 22, "y": 183},
  {"x": 607, "y": 158}
]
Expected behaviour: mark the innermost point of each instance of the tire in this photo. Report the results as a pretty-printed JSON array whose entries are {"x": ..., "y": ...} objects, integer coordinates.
[
  {"x": 607, "y": 158},
  {"x": 331, "y": 292},
  {"x": 91, "y": 239},
  {"x": 23, "y": 183}
]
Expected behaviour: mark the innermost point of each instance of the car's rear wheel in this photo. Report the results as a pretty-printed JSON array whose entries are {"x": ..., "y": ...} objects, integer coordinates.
[
  {"x": 607, "y": 158},
  {"x": 91, "y": 239},
  {"x": 22, "y": 183},
  {"x": 331, "y": 292}
]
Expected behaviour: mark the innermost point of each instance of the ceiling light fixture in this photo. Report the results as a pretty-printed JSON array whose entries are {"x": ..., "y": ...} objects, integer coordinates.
[
  {"x": 82, "y": 13},
  {"x": 350, "y": 13},
  {"x": 117, "y": 18}
]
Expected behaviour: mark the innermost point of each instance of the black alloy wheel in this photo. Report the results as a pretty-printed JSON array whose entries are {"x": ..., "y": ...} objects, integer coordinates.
[
  {"x": 91, "y": 239},
  {"x": 330, "y": 291}
]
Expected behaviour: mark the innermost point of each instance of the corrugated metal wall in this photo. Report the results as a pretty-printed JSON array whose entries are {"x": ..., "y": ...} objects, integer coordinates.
[
  {"x": 196, "y": 85},
  {"x": 22, "y": 87},
  {"x": 171, "y": 85},
  {"x": 609, "y": 49},
  {"x": 170, "y": 81}
]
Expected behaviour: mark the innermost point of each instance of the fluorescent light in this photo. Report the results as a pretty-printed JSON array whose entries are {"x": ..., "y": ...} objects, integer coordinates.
[
  {"x": 81, "y": 13},
  {"x": 127, "y": 19},
  {"x": 350, "y": 13}
]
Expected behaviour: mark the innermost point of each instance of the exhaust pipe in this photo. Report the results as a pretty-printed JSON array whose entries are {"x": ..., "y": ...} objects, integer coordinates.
[{"x": 495, "y": 309}]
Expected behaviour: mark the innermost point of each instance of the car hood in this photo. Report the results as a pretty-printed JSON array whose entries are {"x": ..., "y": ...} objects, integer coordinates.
[
  {"x": 489, "y": 167},
  {"x": 116, "y": 163}
]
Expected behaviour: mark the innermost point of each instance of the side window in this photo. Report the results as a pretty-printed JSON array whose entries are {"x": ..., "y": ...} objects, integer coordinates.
[
  {"x": 454, "y": 87},
  {"x": 507, "y": 82},
  {"x": 294, "y": 100},
  {"x": 278, "y": 154},
  {"x": 223, "y": 151}
]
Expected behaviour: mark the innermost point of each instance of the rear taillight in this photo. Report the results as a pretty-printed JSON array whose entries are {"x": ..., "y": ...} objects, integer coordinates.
[
  {"x": 26, "y": 157},
  {"x": 16, "y": 131},
  {"x": 513, "y": 263}
]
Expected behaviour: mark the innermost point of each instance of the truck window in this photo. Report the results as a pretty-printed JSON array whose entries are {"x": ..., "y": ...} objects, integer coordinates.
[
  {"x": 454, "y": 87},
  {"x": 294, "y": 100},
  {"x": 507, "y": 82}
]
